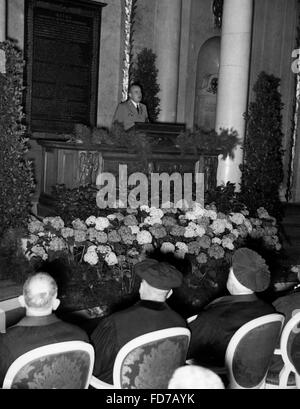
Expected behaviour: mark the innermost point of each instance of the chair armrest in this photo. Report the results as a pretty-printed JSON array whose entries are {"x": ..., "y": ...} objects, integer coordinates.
[
  {"x": 284, "y": 376},
  {"x": 191, "y": 319},
  {"x": 97, "y": 384},
  {"x": 297, "y": 380}
]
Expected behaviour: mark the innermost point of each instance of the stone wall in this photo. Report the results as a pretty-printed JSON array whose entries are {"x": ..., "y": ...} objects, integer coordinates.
[
  {"x": 144, "y": 25},
  {"x": 201, "y": 27},
  {"x": 111, "y": 56}
]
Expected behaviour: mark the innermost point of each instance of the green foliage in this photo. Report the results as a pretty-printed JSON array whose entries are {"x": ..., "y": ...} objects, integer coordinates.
[
  {"x": 134, "y": 142},
  {"x": 208, "y": 141},
  {"x": 13, "y": 264},
  {"x": 71, "y": 204},
  {"x": 16, "y": 177},
  {"x": 262, "y": 171},
  {"x": 225, "y": 198},
  {"x": 145, "y": 73}
]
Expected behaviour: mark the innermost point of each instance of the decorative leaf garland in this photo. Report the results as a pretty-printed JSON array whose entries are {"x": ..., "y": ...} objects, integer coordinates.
[
  {"x": 209, "y": 142},
  {"x": 188, "y": 142},
  {"x": 128, "y": 14}
]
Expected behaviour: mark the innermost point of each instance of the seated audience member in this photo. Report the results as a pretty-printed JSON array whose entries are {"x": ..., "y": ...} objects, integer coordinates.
[
  {"x": 151, "y": 313},
  {"x": 217, "y": 323},
  {"x": 288, "y": 305},
  {"x": 40, "y": 326},
  {"x": 195, "y": 377}
]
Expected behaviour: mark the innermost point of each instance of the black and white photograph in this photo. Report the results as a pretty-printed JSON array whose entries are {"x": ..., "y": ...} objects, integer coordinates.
[{"x": 150, "y": 197}]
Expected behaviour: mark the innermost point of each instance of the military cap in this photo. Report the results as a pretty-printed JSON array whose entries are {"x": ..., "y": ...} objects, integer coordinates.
[
  {"x": 160, "y": 275},
  {"x": 251, "y": 270}
]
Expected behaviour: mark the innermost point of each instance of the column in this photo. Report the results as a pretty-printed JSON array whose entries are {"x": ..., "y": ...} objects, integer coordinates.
[
  {"x": 233, "y": 80},
  {"x": 167, "y": 46},
  {"x": 2, "y": 20}
]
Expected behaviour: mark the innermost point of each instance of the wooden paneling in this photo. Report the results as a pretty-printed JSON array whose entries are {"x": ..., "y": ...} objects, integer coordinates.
[
  {"x": 77, "y": 165},
  {"x": 68, "y": 168},
  {"x": 49, "y": 169}
]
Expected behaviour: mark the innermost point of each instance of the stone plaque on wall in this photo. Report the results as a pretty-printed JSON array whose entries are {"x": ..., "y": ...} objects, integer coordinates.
[{"x": 62, "y": 52}]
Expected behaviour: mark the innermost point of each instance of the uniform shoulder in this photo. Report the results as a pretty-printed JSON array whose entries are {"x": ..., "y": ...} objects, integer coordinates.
[
  {"x": 124, "y": 103},
  {"x": 127, "y": 311}
]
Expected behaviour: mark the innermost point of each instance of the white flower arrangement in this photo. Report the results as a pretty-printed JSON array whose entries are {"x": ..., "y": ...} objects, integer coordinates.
[
  {"x": 101, "y": 223},
  {"x": 167, "y": 247},
  {"x": 219, "y": 226},
  {"x": 111, "y": 259},
  {"x": 134, "y": 229},
  {"x": 119, "y": 237},
  {"x": 151, "y": 221},
  {"x": 91, "y": 221},
  {"x": 144, "y": 237},
  {"x": 91, "y": 256},
  {"x": 145, "y": 208},
  {"x": 237, "y": 218}
]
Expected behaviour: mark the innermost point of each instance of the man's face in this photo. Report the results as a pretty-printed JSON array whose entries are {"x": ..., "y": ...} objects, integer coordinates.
[
  {"x": 135, "y": 94},
  {"x": 142, "y": 288},
  {"x": 230, "y": 281}
]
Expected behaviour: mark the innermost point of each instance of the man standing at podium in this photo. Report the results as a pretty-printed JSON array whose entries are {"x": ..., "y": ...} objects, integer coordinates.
[{"x": 132, "y": 110}]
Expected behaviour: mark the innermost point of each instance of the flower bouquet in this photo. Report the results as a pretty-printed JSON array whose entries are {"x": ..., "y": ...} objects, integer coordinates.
[{"x": 108, "y": 247}]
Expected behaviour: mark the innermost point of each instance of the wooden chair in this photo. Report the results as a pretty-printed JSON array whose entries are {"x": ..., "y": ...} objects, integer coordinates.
[
  {"x": 64, "y": 365},
  {"x": 289, "y": 375},
  {"x": 148, "y": 361}
]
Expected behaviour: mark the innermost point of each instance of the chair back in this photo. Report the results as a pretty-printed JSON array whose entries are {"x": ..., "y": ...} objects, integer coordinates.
[
  {"x": 290, "y": 346},
  {"x": 250, "y": 351},
  {"x": 148, "y": 361},
  {"x": 64, "y": 365}
]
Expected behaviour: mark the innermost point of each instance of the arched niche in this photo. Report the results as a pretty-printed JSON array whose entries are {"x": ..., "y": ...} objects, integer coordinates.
[{"x": 206, "y": 83}]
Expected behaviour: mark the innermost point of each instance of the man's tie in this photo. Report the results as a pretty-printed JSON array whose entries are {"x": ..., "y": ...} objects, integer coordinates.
[{"x": 138, "y": 109}]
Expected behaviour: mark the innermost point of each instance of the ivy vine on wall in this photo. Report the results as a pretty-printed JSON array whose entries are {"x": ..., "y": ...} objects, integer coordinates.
[{"x": 16, "y": 176}]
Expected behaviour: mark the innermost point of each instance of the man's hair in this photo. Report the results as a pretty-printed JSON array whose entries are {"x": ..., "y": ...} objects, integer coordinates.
[
  {"x": 195, "y": 377},
  {"x": 39, "y": 290}
]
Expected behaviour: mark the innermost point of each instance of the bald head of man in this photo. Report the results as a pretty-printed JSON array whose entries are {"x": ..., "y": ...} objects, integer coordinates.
[{"x": 39, "y": 295}]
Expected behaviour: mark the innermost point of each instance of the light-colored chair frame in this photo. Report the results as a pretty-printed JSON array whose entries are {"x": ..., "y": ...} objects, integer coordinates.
[
  {"x": 192, "y": 318},
  {"x": 46, "y": 350},
  {"x": 288, "y": 366},
  {"x": 131, "y": 345},
  {"x": 236, "y": 338}
]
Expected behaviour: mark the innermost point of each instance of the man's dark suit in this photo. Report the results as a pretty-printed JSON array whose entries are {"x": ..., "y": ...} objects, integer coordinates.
[
  {"x": 127, "y": 114},
  {"x": 34, "y": 332},
  {"x": 116, "y": 330},
  {"x": 217, "y": 323}
]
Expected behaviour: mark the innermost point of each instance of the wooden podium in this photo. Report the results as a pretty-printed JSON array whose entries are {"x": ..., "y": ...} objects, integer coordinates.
[{"x": 74, "y": 164}]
